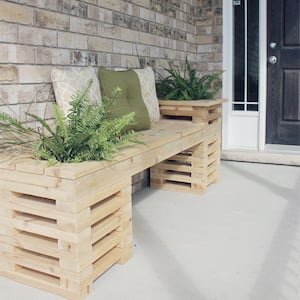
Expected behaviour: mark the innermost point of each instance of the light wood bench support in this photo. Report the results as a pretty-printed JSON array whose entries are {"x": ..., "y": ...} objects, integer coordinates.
[
  {"x": 61, "y": 227},
  {"x": 50, "y": 244},
  {"x": 196, "y": 168}
]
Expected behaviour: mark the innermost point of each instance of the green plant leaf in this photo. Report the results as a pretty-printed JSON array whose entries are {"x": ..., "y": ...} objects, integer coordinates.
[
  {"x": 187, "y": 85},
  {"x": 86, "y": 133}
]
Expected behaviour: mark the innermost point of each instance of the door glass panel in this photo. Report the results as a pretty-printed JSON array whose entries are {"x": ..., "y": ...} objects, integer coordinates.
[
  {"x": 246, "y": 55},
  {"x": 239, "y": 55}
]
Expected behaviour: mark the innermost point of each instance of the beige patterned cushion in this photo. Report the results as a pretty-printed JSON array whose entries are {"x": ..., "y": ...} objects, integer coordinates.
[
  {"x": 67, "y": 82},
  {"x": 147, "y": 81}
]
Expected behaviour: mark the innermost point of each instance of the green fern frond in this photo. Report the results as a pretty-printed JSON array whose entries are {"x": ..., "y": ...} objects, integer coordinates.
[
  {"x": 86, "y": 133},
  {"x": 61, "y": 121},
  {"x": 187, "y": 85}
]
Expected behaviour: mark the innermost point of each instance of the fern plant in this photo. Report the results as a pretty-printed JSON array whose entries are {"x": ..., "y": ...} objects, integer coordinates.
[
  {"x": 86, "y": 133},
  {"x": 187, "y": 85}
]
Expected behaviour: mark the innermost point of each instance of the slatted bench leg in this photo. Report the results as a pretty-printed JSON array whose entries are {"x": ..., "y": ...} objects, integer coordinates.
[
  {"x": 56, "y": 245},
  {"x": 181, "y": 172},
  {"x": 192, "y": 170}
]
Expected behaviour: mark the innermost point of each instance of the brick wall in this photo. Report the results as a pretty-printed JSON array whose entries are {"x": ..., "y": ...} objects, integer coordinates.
[{"x": 38, "y": 35}]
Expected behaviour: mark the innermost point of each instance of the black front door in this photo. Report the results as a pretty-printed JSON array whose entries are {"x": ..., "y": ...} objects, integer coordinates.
[{"x": 283, "y": 100}]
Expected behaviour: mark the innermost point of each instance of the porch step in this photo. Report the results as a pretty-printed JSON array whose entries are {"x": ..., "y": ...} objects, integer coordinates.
[{"x": 268, "y": 157}]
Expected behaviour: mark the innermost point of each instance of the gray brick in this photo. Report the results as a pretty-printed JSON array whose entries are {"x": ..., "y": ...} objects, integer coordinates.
[
  {"x": 72, "y": 40},
  {"x": 144, "y": 3},
  {"x": 100, "y": 44},
  {"x": 82, "y": 58},
  {"x": 73, "y": 7},
  {"x": 12, "y": 12},
  {"x": 9, "y": 74},
  {"x": 115, "y": 60},
  {"x": 37, "y": 36},
  {"x": 11, "y": 110},
  {"x": 147, "y": 14},
  {"x": 110, "y": 4},
  {"x": 17, "y": 54},
  {"x": 80, "y": 25},
  {"x": 9, "y": 32},
  {"x": 45, "y": 4},
  {"x": 128, "y": 61},
  {"x": 52, "y": 56},
  {"x": 21, "y": 94},
  {"x": 34, "y": 74},
  {"x": 104, "y": 59},
  {"x": 110, "y": 31},
  {"x": 52, "y": 20},
  {"x": 95, "y": 13},
  {"x": 121, "y": 47}
]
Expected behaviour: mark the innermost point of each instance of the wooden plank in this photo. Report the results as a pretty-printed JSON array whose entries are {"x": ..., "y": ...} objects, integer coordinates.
[
  {"x": 32, "y": 166},
  {"x": 37, "y": 243},
  {"x": 107, "y": 225},
  {"x": 34, "y": 190},
  {"x": 198, "y": 103},
  {"x": 106, "y": 244},
  {"x": 32, "y": 179},
  {"x": 177, "y": 177},
  {"x": 105, "y": 262},
  {"x": 105, "y": 208},
  {"x": 175, "y": 167},
  {"x": 9, "y": 160},
  {"x": 38, "y": 226},
  {"x": 36, "y": 261},
  {"x": 42, "y": 281},
  {"x": 177, "y": 186}
]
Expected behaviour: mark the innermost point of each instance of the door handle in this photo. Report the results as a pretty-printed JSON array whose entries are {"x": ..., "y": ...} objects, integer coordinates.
[{"x": 273, "y": 59}]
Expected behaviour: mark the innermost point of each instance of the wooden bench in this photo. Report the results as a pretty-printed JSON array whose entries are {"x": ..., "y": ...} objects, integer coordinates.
[{"x": 61, "y": 227}]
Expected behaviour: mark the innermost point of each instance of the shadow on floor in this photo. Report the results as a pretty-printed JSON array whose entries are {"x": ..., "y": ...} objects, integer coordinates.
[
  {"x": 168, "y": 269},
  {"x": 279, "y": 278}
]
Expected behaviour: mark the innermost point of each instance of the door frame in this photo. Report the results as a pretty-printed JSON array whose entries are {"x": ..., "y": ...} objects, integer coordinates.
[{"x": 230, "y": 117}]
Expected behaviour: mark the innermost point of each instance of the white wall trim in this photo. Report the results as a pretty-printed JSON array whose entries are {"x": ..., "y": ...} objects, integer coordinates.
[
  {"x": 227, "y": 68},
  {"x": 263, "y": 75}
]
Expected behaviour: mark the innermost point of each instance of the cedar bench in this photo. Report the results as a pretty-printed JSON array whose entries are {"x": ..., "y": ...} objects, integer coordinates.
[{"x": 61, "y": 227}]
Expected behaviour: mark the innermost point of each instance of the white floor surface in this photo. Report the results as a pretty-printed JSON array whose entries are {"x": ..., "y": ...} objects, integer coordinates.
[{"x": 238, "y": 241}]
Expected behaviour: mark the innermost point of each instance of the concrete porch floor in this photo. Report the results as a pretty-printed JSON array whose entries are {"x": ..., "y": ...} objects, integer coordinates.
[{"x": 238, "y": 241}]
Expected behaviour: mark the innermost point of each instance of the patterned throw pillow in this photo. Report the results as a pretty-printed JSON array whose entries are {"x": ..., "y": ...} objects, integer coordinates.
[
  {"x": 67, "y": 82},
  {"x": 147, "y": 81}
]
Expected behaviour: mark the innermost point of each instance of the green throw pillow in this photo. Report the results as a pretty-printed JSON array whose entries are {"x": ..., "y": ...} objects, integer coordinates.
[{"x": 131, "y": 97}]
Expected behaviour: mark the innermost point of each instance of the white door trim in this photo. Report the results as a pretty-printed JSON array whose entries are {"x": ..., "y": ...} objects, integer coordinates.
[
  {"x": 230, "y": 121},
  {"x": 227, "y": 67},
  {"x": 263, "y": 40}
]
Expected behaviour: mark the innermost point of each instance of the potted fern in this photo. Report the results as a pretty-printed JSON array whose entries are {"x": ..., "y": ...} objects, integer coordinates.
[
  {"x": 187, "y": 94},
  {"x": 187, "y": 84},
  {"x": 86, "y": 133}
]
